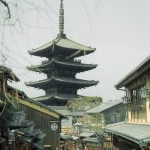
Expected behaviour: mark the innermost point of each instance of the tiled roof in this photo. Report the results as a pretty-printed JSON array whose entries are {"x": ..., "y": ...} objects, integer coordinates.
[
  {"x": 65, "y": 136},
  {"x": 68, "y": 137},
  {"x": 104, "y": 106},
  {"x": 47, "y": 65},
  {"x": 44, "y": 106},
  {"x": 138, "y": 133},
  {"x": 58, "y": 96},
  {"x": 64, "y": 110},
  {"x": 63, "y": 80},
  {"x": 94, "y": 140},
  {"x": 133, "y": 74},
  {"x": 61, "y": 109},
  {"x": 87, "y": 134},
  {"x": 23, "y": 96},
  {"x": 25, "y": 130},
  {"x": 65, "y": 43}
]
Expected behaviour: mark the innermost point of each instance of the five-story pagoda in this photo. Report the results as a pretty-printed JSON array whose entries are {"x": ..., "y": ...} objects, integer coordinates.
[{"x": 61, "y": 68}]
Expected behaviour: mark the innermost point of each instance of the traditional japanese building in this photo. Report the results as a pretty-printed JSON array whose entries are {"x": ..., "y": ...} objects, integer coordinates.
[
  {"x": 61, "y": 68},
  {"x": 133, "y": 132},
  {"x": 16, "y": 131},
  {"x": 112, "y": 111},
  {"x": 16, "y": 111}
]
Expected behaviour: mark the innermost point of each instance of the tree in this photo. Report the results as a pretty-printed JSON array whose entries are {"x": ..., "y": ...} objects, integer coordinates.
[
  {"x": 17, "y": 26},
  {"x": 93, "y": 122},
  {"x": 84, "y": 103}
]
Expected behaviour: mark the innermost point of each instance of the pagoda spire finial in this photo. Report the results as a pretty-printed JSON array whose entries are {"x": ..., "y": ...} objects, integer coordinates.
[{"x": 61, "y": 19}]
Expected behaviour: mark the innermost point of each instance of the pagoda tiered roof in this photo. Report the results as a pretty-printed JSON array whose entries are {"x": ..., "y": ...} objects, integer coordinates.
[
  {"x": 70, "y": 81},
  {"x": 64, "y": 46},
  {"x": 61, "y": 67},
  {"x": 51, "y": 98},
  {"x": 48, "y": 64}
]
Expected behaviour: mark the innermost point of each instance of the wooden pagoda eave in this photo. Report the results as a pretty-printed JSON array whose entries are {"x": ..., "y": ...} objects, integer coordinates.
[
  {"x": 47, "y": 66},
  {"x": 64, "y": 97},
  {"x": 44, "y": 53},
  {"x": 77, "y": 86},
  {"x": 45, "y": 47},
  {"x": 63, "y": 46},
  {"x": 66, "y": 52},
  {"x": 56, "y": 80}
]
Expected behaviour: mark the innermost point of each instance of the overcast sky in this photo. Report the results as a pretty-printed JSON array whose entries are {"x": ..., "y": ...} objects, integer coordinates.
[{"x": 118, "y": 29}]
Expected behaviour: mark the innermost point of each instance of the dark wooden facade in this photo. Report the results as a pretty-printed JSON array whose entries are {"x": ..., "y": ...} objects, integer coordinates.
[
  {"x": 43, "y": 117},
  {"x": 43, "y": 121},
  {"x": 94, "y": 144},
  {"x": 23, "y": 145},
  {"x": 39, "y": 113},
  {"x": 124, "y": 144},
  {"x": 2, "y": 143}
]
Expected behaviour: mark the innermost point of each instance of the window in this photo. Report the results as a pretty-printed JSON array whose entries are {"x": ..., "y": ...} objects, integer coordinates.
[{"x": 136, "y": 94}]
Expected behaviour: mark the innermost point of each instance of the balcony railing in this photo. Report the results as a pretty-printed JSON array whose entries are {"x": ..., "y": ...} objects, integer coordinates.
[{"x": 136, "y": 105}]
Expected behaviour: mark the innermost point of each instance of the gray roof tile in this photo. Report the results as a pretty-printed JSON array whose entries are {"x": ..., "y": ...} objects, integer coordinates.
[
  {"x": 133, "y": 132},
  {"x": 63, "y": 42},
  {"x": 133, "y": 74},
  {"x": 104, "y": 106},
  {"x": 87, "y": 134},
  {"x": 62, "y": 79},
  {"x": 64, "y": 110},
  {"x": 43, "y": 67},
  {"x": 94, "y": 140},
  {"x": 58, "y": 96}
]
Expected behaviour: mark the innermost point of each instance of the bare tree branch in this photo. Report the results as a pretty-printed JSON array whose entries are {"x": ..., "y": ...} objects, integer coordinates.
[{"x": 6, "y": 5}]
